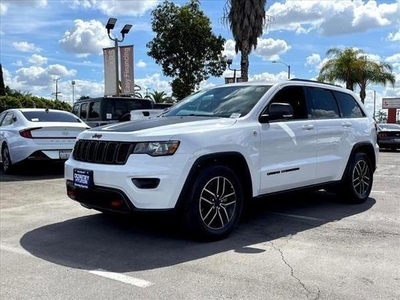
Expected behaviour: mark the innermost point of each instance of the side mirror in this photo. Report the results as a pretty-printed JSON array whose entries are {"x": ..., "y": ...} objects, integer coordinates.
[{"x": 277, "y": 111}]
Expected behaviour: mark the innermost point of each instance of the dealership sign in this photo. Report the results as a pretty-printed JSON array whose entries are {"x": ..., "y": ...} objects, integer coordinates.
[{"x": 390, "y": 103}]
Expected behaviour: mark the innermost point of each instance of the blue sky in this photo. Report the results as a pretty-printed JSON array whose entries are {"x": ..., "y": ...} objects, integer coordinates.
[{"x": 46, "y": 39}]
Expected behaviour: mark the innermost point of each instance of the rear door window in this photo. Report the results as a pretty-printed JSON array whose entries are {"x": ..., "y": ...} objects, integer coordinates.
[
  {"x": 324, "y": 104},
  {"x": 349, "y": 107}
]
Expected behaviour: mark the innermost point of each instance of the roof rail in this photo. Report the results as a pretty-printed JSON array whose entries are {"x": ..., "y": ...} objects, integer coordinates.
[{"x": 316, "y": 81}]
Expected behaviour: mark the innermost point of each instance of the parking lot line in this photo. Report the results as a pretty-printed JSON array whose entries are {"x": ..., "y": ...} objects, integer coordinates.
[
  {"x": 298, "y": 217},
  {"x": 122, "y": 278}
]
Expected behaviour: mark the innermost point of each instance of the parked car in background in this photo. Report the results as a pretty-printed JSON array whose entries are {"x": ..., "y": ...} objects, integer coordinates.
[
  {"x": 105, "y": 110},
  {"x": 389, "y": 136},
  {"x": 28, "y": 134}
]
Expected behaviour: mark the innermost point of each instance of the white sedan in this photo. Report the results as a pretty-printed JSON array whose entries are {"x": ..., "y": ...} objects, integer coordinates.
[{"x": 37, "y": 134}]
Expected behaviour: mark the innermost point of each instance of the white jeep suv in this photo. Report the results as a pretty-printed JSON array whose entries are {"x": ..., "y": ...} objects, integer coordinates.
[{"x": 220, "y": 147}]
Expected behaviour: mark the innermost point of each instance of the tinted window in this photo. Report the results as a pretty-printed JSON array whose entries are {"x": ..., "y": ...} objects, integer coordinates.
[
  {"x": 75, "y": 109},
  {"x": 293, "y": 95},
  {"x": 49, "y": 116},
  {"x": 2, "y": 115},
  {"x": 349, "y": 107},
  {"x": 9, "y": 119},
  {"x": 324, "y": 104},
  {"x": 119, "y": 107},
  {"x": 83, "y": 113},
  {"x": 94, "y": 110}
]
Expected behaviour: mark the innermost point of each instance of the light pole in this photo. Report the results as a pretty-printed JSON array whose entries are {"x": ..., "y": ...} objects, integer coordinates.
[
  {"x": 374, "y": 102},
  {"x": 109, "y": 26},
  {"x": 73, "y": 91},
  {"x": 57, "y": 92},
  {"x": 229, "y": 63},
  {"x": 288, "y": 66}
]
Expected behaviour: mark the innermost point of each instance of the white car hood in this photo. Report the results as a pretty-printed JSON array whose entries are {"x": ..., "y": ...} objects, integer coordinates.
[{"x": 161, "y": 127}]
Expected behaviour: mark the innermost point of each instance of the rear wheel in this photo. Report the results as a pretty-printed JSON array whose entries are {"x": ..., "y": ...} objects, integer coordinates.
[
  {"x": 214, "y": 205},
  {"x": 358, "y": 180},
  {"x": 6, "y": 159}
]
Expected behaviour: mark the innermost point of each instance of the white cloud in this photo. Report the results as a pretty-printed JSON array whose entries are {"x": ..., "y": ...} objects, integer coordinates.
[
  {"x": 313, "y": 59},
  {"x": 332, "y": 17},
  {"x": 37, "y": 60},
  {"x": 85, "y": 38},
  {"x": 270, "y": 49},
  {"x": 141, "y": 64},
  {"x": 117, "y": 7},
  {"x": 229, "y": 49},
  {"x": 26, "y": 47},
  {"x": 154, "y": 82},
  {"x": 394, "y": 36},
  {"x": 18, "y": 63},
  {"x": 36, "y": 75},
  {"x": 268, "y": 77},
  {"x": 3, "y": 9}
]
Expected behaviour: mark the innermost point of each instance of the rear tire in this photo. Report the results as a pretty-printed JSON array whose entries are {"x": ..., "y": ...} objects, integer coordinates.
[
  {"x": 357, "y": 184},
  {"x": 214, "y": 205},
  {"x": 7, "y": 165}
]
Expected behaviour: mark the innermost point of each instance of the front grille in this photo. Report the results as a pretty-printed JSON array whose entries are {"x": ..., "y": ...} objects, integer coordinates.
[{"x": 102, "y": 152}]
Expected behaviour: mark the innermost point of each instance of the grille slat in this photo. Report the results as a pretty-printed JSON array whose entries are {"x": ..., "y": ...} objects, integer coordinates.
[{"x": 102, "y": 152}]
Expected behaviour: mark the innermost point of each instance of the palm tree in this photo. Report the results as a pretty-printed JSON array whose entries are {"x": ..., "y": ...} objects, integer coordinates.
[
  {"x": 341, "y": 66},
  {"x": 370, "y": 71},
  {"x": 246, "y": 20},
  {"x": 354, "y": 68},
  {"x": 158, "y": 97}
]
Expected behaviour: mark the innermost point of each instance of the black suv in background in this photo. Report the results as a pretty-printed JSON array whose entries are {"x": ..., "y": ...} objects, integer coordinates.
[{"x": 104, "y": 110}]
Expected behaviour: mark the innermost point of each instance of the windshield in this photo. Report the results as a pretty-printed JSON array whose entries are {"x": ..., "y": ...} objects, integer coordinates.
[{"x": 226, "y": 102}]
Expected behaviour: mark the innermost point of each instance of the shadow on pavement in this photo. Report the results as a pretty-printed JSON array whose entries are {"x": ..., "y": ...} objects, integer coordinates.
[
  {"x": 35, "y": 171},
  {"x": 146, "y": 242}
]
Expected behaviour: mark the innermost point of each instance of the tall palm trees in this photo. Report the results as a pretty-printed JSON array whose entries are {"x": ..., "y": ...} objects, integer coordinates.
[
  {"x": 353, "y": 67},
  {"x": 246, "y": 19}
]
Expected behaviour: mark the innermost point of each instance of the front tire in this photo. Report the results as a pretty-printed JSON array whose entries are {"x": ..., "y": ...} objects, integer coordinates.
[
  {"x": 214, "y": 205},
  {"x": 6, "y": 160},
  {"x": 358, "y": 180}
]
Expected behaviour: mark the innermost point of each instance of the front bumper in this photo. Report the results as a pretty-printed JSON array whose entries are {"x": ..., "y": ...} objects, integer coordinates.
[{"x": 143, "y": 183}]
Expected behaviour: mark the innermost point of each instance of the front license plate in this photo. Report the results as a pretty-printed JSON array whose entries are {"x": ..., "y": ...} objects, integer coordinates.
[
  {"x": 64, "y": 154},
  {"x": 83, "y": 178}
]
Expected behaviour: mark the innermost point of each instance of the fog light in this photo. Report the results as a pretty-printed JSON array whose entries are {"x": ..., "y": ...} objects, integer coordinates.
[{"x": 117, "y": 203}]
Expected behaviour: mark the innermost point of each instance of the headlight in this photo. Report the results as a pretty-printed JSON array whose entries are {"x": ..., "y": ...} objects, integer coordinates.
[{"x": 156, "y": 148}]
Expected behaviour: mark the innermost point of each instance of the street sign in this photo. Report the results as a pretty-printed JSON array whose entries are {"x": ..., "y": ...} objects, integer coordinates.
[{"x": 390, "y": 103}]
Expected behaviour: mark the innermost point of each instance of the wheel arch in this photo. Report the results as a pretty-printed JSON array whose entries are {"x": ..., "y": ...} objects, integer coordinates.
[
  {"x": 366, "y": 148},
  {"x": 233, "y": 160}
]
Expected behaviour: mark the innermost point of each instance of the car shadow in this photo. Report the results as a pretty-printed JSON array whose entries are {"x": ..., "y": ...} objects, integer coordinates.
[
  {"x": 35, "y": 171},
  {"x": 149, "y": 241}
]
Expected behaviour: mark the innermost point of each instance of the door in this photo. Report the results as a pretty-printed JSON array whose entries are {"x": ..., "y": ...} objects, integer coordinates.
[{"x": 288, "y": 154}]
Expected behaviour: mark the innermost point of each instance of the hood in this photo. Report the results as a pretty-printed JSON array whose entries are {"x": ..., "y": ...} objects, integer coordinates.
[{"x": 161, "y": 126}]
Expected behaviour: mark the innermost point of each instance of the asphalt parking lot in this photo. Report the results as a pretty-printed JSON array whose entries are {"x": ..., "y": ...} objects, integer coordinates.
[{"x": 286, "y": 248}]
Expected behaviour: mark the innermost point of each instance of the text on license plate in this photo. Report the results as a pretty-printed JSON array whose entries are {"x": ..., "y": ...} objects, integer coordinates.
[
  {"x": 83, "y": 178},
  {"x": 64, "y": 154}
]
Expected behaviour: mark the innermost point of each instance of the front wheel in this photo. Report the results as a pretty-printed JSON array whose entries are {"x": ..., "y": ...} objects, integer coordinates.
[
  {"x": 214, "y": 205},
  {"x": 358, "y": 181}
]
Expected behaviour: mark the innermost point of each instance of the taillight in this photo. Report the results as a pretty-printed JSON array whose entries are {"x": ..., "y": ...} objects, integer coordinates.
[
  {"x": 27, "y": 133},
  {"x": 382, "y": 134}
]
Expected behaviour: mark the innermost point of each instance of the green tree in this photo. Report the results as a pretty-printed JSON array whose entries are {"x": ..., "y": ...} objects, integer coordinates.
[
  {"x": 341, "y": 66},
  {"x": 381, "y": 116},
  {"x": 370, "y": 71},
  {"x": 158, "y": 97},
  {"x": 354, "y": 68},
  {"x": 246, "y": 20},
  {"x": 185, "y": 46}
]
